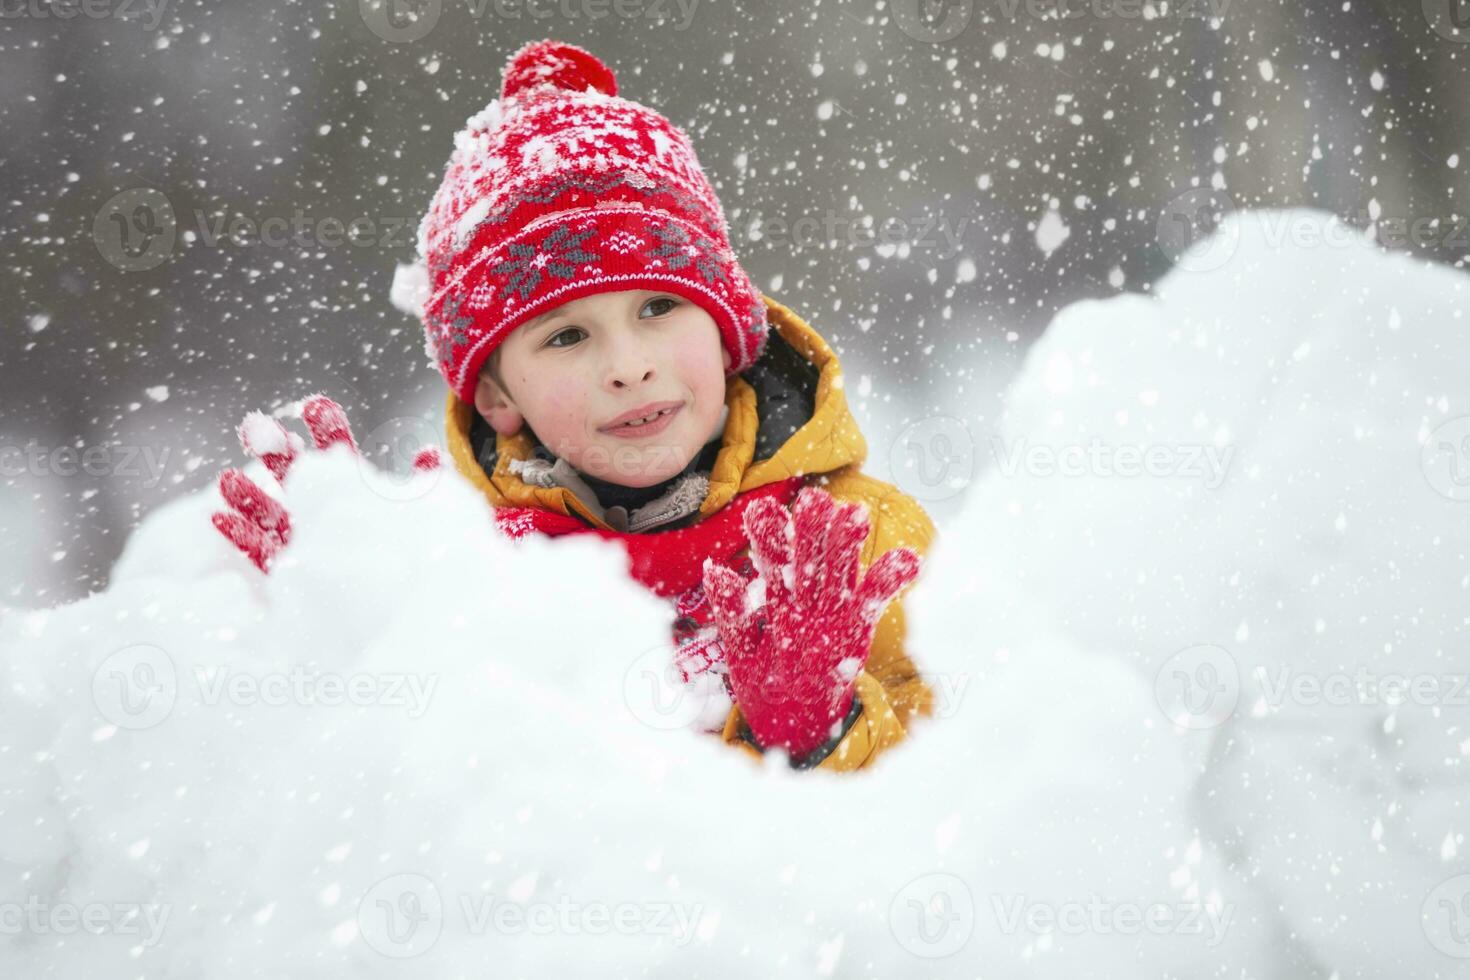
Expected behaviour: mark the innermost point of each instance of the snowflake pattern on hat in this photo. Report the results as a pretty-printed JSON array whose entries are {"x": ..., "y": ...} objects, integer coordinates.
[
  {"x": 557, "y": 253},
  {"x": 450, "y": 329},
  {"x": 680, "y": 250}
]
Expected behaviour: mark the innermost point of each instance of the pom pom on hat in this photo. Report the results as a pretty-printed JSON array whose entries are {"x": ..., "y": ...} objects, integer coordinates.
[
  {"x": 411, "y": 288},
  {"x": 553, "y": 62}
]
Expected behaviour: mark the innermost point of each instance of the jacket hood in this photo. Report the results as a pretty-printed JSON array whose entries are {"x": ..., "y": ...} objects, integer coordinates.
[{"x": 787, "y": 415}]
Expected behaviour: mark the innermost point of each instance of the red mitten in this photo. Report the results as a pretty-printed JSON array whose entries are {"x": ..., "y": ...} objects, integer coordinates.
[
  {"x": 794, "y": 653},
  {"x": 259, "y": 525}
]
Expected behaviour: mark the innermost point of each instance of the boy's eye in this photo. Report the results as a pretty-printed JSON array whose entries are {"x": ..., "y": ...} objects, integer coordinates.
[
  {"x": 562, "y": 333},
  {"x": 662, "y": 299},
  {"x": 662, "y": 305}
]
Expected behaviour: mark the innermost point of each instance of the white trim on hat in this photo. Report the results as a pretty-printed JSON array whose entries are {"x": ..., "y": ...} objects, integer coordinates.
[{"x": 545, "y": 302}]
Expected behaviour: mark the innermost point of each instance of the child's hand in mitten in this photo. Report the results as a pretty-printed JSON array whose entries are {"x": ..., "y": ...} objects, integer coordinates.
[
  {"x": 794, "y": 654},
  {"x": 258, "y": 525}
]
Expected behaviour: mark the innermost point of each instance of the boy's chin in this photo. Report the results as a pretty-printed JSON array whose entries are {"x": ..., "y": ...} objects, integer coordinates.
[{"x": 656, "y": 465}]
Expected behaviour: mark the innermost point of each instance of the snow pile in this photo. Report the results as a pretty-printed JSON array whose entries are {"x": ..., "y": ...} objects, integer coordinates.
[
  {"x": 417, "y": 748},
  {"x": 1253, "y": 488},
  {"x": 401, "y": 745}
]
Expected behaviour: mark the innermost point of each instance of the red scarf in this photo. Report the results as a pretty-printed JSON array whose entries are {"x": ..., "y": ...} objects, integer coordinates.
[{"x": 669, "y": 563}]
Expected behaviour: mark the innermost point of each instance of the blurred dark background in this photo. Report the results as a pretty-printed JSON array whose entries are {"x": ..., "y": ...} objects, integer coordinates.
[{"x": 1016, "y": 155}]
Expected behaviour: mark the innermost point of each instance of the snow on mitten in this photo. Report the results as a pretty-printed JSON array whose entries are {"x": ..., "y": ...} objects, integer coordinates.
[
  {"x": 796, "y": 637},
  {"x": 257, "y": 524}
]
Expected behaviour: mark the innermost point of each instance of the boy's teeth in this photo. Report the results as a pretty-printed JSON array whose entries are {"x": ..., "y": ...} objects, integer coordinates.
[{"x": 644, "y": 421}]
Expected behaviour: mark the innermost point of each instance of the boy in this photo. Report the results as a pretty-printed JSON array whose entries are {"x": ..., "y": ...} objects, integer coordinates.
[{"x": 612, "y": 370}]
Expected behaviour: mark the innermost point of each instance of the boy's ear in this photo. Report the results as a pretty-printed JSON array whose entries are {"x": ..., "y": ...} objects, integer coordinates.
[{"x": 496, "y": 408}]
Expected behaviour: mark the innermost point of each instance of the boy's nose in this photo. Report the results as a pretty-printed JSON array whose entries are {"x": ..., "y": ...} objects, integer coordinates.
[
  {"x": 629, "y": 371},
  {"x": 625, "y": 381}
]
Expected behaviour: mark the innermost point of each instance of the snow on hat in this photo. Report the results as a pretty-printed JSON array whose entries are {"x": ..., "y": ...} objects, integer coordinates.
[{"x": 560, "y": 189}]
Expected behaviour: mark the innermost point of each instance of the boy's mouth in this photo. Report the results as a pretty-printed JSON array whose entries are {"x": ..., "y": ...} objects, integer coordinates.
[{"x": 653, "y": 414}]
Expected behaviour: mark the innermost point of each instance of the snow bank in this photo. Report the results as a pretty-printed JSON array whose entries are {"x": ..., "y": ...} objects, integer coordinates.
[
  {"x": 1298, "y": 547},
  {"x": 506, "y": 752},
  {"x": 419, "y": 749}
]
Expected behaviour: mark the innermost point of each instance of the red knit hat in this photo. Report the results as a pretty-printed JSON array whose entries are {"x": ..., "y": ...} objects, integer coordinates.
[{"x": 558, "y": 190}]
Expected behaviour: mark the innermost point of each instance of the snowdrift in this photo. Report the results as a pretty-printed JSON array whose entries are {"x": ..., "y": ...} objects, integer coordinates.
[{"x": 419, "y": 749}]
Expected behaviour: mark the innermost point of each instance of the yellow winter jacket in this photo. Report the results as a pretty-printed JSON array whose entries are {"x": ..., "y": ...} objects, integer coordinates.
[{"x": 828, "y": 449}]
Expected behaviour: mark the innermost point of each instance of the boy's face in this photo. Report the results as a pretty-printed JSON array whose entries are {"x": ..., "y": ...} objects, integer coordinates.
[{"x": 570, "y": 374}]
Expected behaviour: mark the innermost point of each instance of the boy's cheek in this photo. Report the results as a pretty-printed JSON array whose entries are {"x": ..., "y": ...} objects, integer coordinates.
[
  {"x": 566, "y": 413},
  {"x": 705, "y": 376},
  {"x": 701, "y": 366}
]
